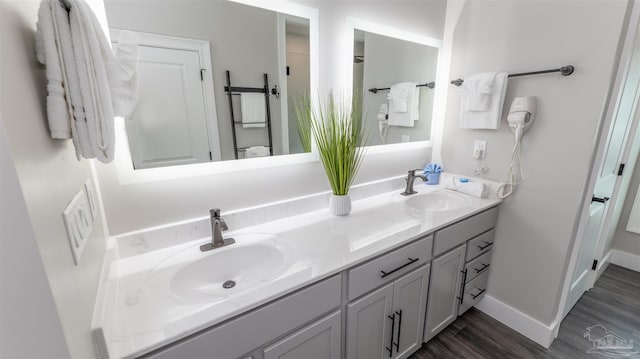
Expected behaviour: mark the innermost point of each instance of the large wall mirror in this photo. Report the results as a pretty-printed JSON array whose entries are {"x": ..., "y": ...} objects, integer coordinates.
[
  {"x": 216, "y": 79},
  {"x": 396, "y": 78}
]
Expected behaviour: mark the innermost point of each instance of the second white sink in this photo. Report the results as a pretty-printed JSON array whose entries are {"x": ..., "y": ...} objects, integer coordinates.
[{"x": 438, "y": 201}]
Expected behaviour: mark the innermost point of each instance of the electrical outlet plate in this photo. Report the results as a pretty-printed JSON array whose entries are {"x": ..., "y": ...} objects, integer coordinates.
[
  {"x": 480, "y": 149},
  {"x": 78, "y": 221}
]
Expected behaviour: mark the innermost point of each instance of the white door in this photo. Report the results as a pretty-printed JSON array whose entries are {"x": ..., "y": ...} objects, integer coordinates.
[
  {"x": 607, "y": 182},
  {"x": 580, "y": 281},
  {"x": 168, "y": 126}
]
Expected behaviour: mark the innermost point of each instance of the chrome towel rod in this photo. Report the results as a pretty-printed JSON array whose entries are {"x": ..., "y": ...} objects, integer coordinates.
[
  {"x": 428, "y": 84},
  {"x": 564, "y": 71}
]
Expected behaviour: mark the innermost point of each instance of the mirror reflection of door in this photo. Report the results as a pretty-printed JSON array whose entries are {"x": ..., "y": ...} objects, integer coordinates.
[{"x": 169, "y": 125}]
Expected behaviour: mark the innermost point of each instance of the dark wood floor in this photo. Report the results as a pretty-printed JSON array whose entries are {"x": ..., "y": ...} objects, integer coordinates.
[{"x": 614, "y": 302}]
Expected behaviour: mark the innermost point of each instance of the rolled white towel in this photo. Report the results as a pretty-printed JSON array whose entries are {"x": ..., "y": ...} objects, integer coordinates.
[{"x": 477, "y": 189}]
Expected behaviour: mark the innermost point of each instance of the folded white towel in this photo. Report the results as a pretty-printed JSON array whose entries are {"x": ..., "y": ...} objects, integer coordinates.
[
  {"x": 411, "y": 114},
  {"x": 478, "y": 90},
  {"x": 477, "y": 189},
  {"x": 256, "y": 151},
  {"x": 252, "y": 108},
  {"x": 47, "y": 52},
  {"x": 491, "y": 118},
  {"x": 85, "y": 79}
]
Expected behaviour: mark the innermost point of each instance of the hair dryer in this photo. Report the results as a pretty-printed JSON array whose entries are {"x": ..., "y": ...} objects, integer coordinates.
[{"x": 521, "y": 115}]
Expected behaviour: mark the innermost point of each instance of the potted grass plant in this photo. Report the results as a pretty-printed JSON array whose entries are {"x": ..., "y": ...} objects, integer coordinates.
[{"x": 337, "y": 127}]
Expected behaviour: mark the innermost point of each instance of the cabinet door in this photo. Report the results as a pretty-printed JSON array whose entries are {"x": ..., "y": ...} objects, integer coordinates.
[
  {"x": 409, "y": 305},
  {"x": 319, "y": 340},
  {"x": 446, "y": 280},
  {"x": 369, "y": 325}
]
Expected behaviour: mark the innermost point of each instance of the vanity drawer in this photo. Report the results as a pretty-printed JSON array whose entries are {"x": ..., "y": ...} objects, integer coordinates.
[
  {"x": 480, "y": 244},
  {"x": 258, "y": 327},
  {"x": 460, "y": 232},
  {"x": 388, "y": 267},
  {"x": 473, "y": 292},
  {"x": 478, "y": 266}
]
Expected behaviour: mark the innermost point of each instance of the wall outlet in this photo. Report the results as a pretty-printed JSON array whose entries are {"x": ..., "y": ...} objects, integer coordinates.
[
  {"x": 78, "y": 221},
  {"x": 480, "y": 149}
]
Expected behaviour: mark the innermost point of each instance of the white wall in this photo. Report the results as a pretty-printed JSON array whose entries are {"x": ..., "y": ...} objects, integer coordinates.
[
  {"x": 49, "y": 175},
  {"x": 535, "y": 228},
  {"x": 623, "y": 240},
  {"x": 243, "y": 40},
  {"x": 136, "y": 206},
  {"x": 27, "y": 310}
]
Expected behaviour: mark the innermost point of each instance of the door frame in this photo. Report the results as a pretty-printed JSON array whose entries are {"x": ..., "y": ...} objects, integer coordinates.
[
  {"x": 203, "y": 49},
  {"x": 616, "y": 88}
]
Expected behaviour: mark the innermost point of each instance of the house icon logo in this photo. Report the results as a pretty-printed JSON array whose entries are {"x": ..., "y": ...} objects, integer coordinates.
[{"x": 608, "y": 343}]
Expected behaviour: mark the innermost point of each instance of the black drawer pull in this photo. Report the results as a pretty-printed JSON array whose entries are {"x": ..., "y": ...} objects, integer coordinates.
[
  {"x": 411, "y": 261},
  {"x": 462, "y": 285},
  {"x": 479, "y": 294},
  {"x": 486, "y": 245},
  {"x": 484, "y": 266}
]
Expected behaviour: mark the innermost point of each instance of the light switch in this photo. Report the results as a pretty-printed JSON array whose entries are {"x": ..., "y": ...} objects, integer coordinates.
[
  {"x": 91, "y": 198},
  {"x": 78, "y": 221}
]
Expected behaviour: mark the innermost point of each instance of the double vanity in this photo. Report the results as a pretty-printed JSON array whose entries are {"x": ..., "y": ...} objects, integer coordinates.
[{"x": 374, "y": 284}]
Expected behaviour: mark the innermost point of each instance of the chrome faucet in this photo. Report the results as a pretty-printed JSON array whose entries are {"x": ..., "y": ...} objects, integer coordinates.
[
  {"x": 411, "y": 177},
  {"x": 217, "y": 226}
]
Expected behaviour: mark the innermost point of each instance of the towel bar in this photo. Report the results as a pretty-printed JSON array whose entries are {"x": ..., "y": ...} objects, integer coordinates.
[{"x": 564, "y": 71}]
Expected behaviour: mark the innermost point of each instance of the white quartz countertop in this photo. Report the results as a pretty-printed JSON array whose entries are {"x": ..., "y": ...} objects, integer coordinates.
[{"x": 139, "y": 312}]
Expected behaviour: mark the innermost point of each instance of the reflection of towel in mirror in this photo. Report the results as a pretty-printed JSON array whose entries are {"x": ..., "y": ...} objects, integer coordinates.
[
  {"x": 399, "y": 93},
  {"x": 252, "y": 108},
  {"x": 256, "y": 151}
]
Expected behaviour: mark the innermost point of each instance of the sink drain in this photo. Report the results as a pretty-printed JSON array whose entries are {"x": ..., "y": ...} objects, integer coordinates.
[{"x": 228, "y": 284}]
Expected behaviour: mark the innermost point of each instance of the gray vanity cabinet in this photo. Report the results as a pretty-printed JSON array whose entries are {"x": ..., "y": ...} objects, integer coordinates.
[
  {"x": 446, "y": 283},
  {"x": 389, "y": 322},
  {"x": 459, "y": 276},
  {"x": 320, "y": 340}
]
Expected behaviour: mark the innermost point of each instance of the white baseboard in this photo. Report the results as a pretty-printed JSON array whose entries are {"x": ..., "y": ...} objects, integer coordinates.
[
  {"x": 518, "y": 321},
  {"x": 625, "y": 259}
]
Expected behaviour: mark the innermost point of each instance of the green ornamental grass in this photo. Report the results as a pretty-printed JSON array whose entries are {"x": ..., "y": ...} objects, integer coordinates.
[{"x": 337, "y": 127}]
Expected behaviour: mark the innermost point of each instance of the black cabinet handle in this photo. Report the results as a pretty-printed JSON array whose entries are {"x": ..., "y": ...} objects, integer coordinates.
[
  {"x": 397, "y": 343},
  {"x": 393, "y": 327},
  {"x": 486, "y": 245},
  {"x": 411, "y": 261},
  {"x": 474, "y": 296},
  {"x": 464, "y": 279},
  {"x": 484, "y": 266}
]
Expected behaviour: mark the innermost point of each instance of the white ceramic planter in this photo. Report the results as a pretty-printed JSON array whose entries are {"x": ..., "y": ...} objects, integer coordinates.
[{"x": 339, "y": 205}]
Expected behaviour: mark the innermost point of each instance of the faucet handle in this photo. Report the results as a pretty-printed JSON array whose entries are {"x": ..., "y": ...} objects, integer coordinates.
[
  {"x": 413, "y": 171},
  {"x": 215, "y": 212},
  {"x": 223, "y": 225}
]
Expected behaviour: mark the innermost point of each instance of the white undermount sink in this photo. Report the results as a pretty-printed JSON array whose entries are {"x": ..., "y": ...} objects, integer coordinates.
[
  {"x": 438, "y": 201},
  {"x": 195, "y": 276}
]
